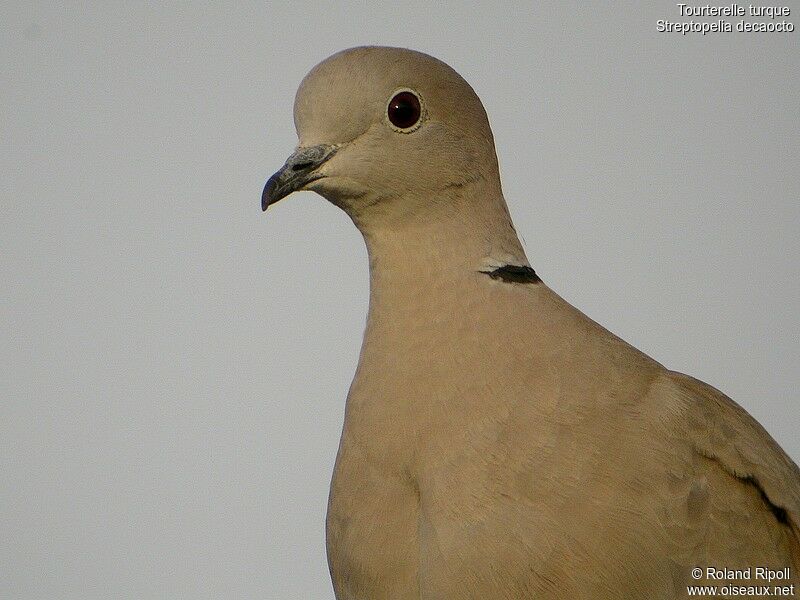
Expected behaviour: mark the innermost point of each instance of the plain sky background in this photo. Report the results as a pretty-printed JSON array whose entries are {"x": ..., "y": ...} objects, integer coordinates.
[{"x": 175, "y": 362}]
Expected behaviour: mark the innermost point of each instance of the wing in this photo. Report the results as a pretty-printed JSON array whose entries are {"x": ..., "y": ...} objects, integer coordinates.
[{"x": 723, "y": 435}]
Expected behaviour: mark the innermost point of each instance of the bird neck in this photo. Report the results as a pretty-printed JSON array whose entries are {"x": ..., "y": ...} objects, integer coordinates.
[{"x": 462, "y": 231}]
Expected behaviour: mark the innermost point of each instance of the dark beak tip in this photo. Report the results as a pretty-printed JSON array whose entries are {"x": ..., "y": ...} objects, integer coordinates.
[{"x": 266, "y": 195}]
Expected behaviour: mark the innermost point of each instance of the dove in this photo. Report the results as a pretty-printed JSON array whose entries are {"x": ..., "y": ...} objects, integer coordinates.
[{"x": 498, "y": 443}]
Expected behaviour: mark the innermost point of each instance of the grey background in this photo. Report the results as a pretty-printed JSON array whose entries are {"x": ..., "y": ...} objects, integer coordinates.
[{"x": 175, "y": 362}]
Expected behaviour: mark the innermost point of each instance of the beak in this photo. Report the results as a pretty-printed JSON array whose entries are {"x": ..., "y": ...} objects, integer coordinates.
[{"x": 298, "y": 171}]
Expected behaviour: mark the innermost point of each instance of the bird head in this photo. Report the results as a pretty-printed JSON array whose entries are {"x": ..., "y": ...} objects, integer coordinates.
[{"x": 386, "y": 132}]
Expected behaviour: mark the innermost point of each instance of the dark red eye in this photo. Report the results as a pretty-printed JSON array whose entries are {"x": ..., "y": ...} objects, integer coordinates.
[{"x": 404, "y": 110}]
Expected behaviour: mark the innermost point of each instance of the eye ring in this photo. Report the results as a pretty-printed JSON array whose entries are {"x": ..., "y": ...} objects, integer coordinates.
[{"x": 405, "y": 110}]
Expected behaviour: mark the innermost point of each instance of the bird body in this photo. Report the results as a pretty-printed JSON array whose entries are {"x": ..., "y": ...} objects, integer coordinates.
[{"x": 497, "y": 442}]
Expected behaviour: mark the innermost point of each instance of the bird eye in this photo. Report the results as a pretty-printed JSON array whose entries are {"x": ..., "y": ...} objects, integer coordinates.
[{"x": 404, "y": 110}]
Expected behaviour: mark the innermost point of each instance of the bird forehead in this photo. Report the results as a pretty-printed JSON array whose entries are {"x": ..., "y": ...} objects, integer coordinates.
[
  {"x": 346, "y": 93},
  {"x": 326, "y": 107}
]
